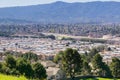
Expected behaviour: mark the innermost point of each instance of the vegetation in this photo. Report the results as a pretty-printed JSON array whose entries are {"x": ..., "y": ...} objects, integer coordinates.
[
  {"x": 39, "y": 71},
  {"x": 98, "y": 79},
  {"x": 70, "y": 61},
  {"x": 30, "y": 56},
  {"x": 75, "y": 64},
  {"x": 22, "y": 66},
  {"x": 99, "y": 67},
  {"x": 86, "y": 69},
  {"x": 93, "y": 30},
  {"x": 8, "y": 77},
  {"x": 115, "y": 67}
]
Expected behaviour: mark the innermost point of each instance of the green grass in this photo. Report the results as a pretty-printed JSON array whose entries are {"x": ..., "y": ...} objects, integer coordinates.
[
  {"x": 98, "y": 79},
  {"x": 107, "y": 79},
  {"x": 6, "y": 77},
  {"x": 93, "y": 78}
]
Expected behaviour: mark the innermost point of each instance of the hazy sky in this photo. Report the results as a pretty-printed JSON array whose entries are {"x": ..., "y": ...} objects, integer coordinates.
[{"x": 7, "y": 3}]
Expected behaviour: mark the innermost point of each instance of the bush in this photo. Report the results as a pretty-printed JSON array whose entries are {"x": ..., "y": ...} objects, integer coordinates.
[{"x": 39, "y": 71}]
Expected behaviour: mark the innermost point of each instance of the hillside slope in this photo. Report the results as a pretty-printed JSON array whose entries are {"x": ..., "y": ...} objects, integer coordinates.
[{"x": 65, "y": 12}]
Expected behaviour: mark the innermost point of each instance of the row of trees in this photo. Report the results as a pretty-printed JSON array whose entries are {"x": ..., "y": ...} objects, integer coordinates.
[
  {"x": 72, "y": 29},
  {"x": 75, "y": 64},
  {"x": 22, "y": 66}
]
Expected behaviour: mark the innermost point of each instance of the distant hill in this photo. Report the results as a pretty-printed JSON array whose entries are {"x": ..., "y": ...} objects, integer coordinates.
[
  {"x": 14, "y": 21},
  {"x": 61, "y": 12}
]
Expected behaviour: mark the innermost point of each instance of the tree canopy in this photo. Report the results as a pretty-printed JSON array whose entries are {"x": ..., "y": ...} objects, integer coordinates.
[
  {"x": 100, "y": 68},
  {"x": 39, "y": 71},
  {"x": 115, "y": 67},
  {"x": 71, "y": 62}
]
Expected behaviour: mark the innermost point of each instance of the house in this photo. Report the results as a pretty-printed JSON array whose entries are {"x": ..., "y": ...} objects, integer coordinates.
[
  {"x": 53, "y": 71},
  {"x": 47, "y": 64}
]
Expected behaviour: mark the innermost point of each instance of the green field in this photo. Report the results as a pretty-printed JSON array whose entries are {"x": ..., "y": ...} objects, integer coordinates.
[
  {"x": 99, "y": 79},
  {"x": 96, "y": 78},
  {"x": 107, "y": 79},
  {"x": 5, "y": 77}
]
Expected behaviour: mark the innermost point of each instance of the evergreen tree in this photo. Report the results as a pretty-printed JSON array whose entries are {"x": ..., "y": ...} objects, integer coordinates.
[
  {"x": 71, "y": 62},
  {"x": 100, "y": 67},
  {"x": 115, "y": 67}
]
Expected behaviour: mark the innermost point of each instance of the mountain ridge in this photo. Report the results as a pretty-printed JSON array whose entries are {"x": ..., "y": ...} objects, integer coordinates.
[{"x": 63, "y": 12}]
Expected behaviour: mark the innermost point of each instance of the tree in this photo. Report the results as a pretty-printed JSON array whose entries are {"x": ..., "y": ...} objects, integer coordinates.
[
  {"x": 58, "y": 57},
  {"x": 24, "y": 68},
  {"x": 100, "y": 68},
  {"x": 21, "y": 65},
  {"x": 71, "y": 62},
  {"x": 93, "y": 52},
  {"x": 10, "y": 66},
  {"x": 29, "y": 71},
  {"x": 30, "y": 56},
  {"x": 86, "y": 70},
  {"x": 10, "y": 62},
  {"x": 115, "y": 67},
  {"x": 39, "y": 71},
  {"x": 0, "y": 66},
  {"x": 90, "y": 55}
]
